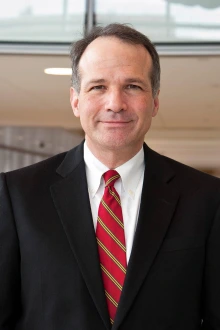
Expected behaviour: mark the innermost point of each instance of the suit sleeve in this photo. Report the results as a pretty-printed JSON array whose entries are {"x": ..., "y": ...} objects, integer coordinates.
[
  {"x": 211, "y": 319},
  {"x": 9, "y": 262}
]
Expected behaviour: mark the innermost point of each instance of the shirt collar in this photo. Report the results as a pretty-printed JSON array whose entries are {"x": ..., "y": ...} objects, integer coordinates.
[
  {"x": 130, "y": 172},
  {"x": 94, "y": 170}
]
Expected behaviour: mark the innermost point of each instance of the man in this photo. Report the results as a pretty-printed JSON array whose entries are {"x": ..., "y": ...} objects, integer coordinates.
[{"x": 60, "y": 267}]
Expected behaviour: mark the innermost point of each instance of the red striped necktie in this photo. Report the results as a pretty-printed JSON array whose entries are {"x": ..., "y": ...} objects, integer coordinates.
[{"x": 111, "y": 243}]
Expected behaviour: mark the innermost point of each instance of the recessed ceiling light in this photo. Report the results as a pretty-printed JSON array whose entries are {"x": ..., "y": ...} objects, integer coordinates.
[{"x": 59, "y": 71}]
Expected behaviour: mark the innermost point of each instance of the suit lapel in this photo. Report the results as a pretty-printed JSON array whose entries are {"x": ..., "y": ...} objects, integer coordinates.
[
  {"x": 159, "y": 198},
  {"x": 70, "y": 196},
  {"x": 158, "y": 203}
]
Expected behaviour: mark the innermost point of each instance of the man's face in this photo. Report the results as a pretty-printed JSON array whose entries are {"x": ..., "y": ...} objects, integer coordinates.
[{"x": 115, "y": 103}]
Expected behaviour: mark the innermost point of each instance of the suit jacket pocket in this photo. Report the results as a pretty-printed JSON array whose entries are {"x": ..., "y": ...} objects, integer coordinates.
[{"x": 183, "y": 243}]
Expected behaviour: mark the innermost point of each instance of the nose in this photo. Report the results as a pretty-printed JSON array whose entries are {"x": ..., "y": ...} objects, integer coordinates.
[{"x": 115, "y": 101}]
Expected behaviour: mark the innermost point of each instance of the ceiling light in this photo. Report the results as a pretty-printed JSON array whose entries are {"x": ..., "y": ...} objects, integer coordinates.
[{"x": 59, "y": 71}]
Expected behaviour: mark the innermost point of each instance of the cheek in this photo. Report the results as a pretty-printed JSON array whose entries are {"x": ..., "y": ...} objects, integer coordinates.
[
  {"x": 93, "y": 97},
  {"x": 144, "y": 115},
  {"x": 143, "y": 109},
  {"x": 91, "y": 104},
  {"x": 88, "y": 114}
]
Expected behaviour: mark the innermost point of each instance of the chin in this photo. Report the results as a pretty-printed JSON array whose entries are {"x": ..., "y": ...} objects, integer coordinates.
[{"x": 115, "y": 143}]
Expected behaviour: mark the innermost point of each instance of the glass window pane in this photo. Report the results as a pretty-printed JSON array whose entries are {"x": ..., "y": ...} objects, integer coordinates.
[
  {"x": 165, "y": 20},
  {"x": 41, "y": 20}
]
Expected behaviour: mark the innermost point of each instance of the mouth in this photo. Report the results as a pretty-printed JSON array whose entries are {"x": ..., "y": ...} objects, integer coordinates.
[{"x": 118, "y": 123}]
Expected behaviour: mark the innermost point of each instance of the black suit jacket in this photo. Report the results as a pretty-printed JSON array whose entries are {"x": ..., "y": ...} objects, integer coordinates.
[{"x": 50, "y": 276}]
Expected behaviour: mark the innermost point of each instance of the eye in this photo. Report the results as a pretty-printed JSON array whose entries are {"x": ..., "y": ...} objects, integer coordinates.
[
  {"x": 98, "y": 87},
  {"x": 132, "y": 86}
]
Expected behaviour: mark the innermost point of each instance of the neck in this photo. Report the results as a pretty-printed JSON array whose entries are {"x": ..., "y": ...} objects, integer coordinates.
[{"x": 113, "y": 158}]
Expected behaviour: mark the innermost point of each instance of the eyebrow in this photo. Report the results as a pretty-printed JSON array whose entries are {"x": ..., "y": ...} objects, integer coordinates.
[
  {"x": 95, "y": 81},
  {"x": 135, "y": 80}
]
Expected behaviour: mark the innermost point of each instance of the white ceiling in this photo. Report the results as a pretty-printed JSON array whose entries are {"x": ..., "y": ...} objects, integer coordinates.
[{"x": 189, "y": 100}]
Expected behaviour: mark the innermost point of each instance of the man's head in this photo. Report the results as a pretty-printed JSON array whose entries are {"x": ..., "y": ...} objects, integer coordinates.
[
  {"x": 115, "y": 90},
  {"x": 125, "y": 34}
]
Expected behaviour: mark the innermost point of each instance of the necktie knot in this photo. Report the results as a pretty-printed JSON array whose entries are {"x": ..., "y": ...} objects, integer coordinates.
[{"x": 110, "y": 177}]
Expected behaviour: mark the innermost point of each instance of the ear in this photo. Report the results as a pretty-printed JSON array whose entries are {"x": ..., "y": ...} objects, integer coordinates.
[
  {"x": 74, "y": 101},
  {"x": 156, "y": 104}
]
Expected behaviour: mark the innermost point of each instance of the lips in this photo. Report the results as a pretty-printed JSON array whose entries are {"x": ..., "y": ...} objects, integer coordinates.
[{"x": 115, "y": 124}]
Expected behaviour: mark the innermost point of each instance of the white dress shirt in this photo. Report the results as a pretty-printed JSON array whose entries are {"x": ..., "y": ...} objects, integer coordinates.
[{"x": 129, "y": 188}]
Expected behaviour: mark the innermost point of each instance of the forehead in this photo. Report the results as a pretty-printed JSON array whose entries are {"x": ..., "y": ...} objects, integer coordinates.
[{"x": 111, "y": 52}]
